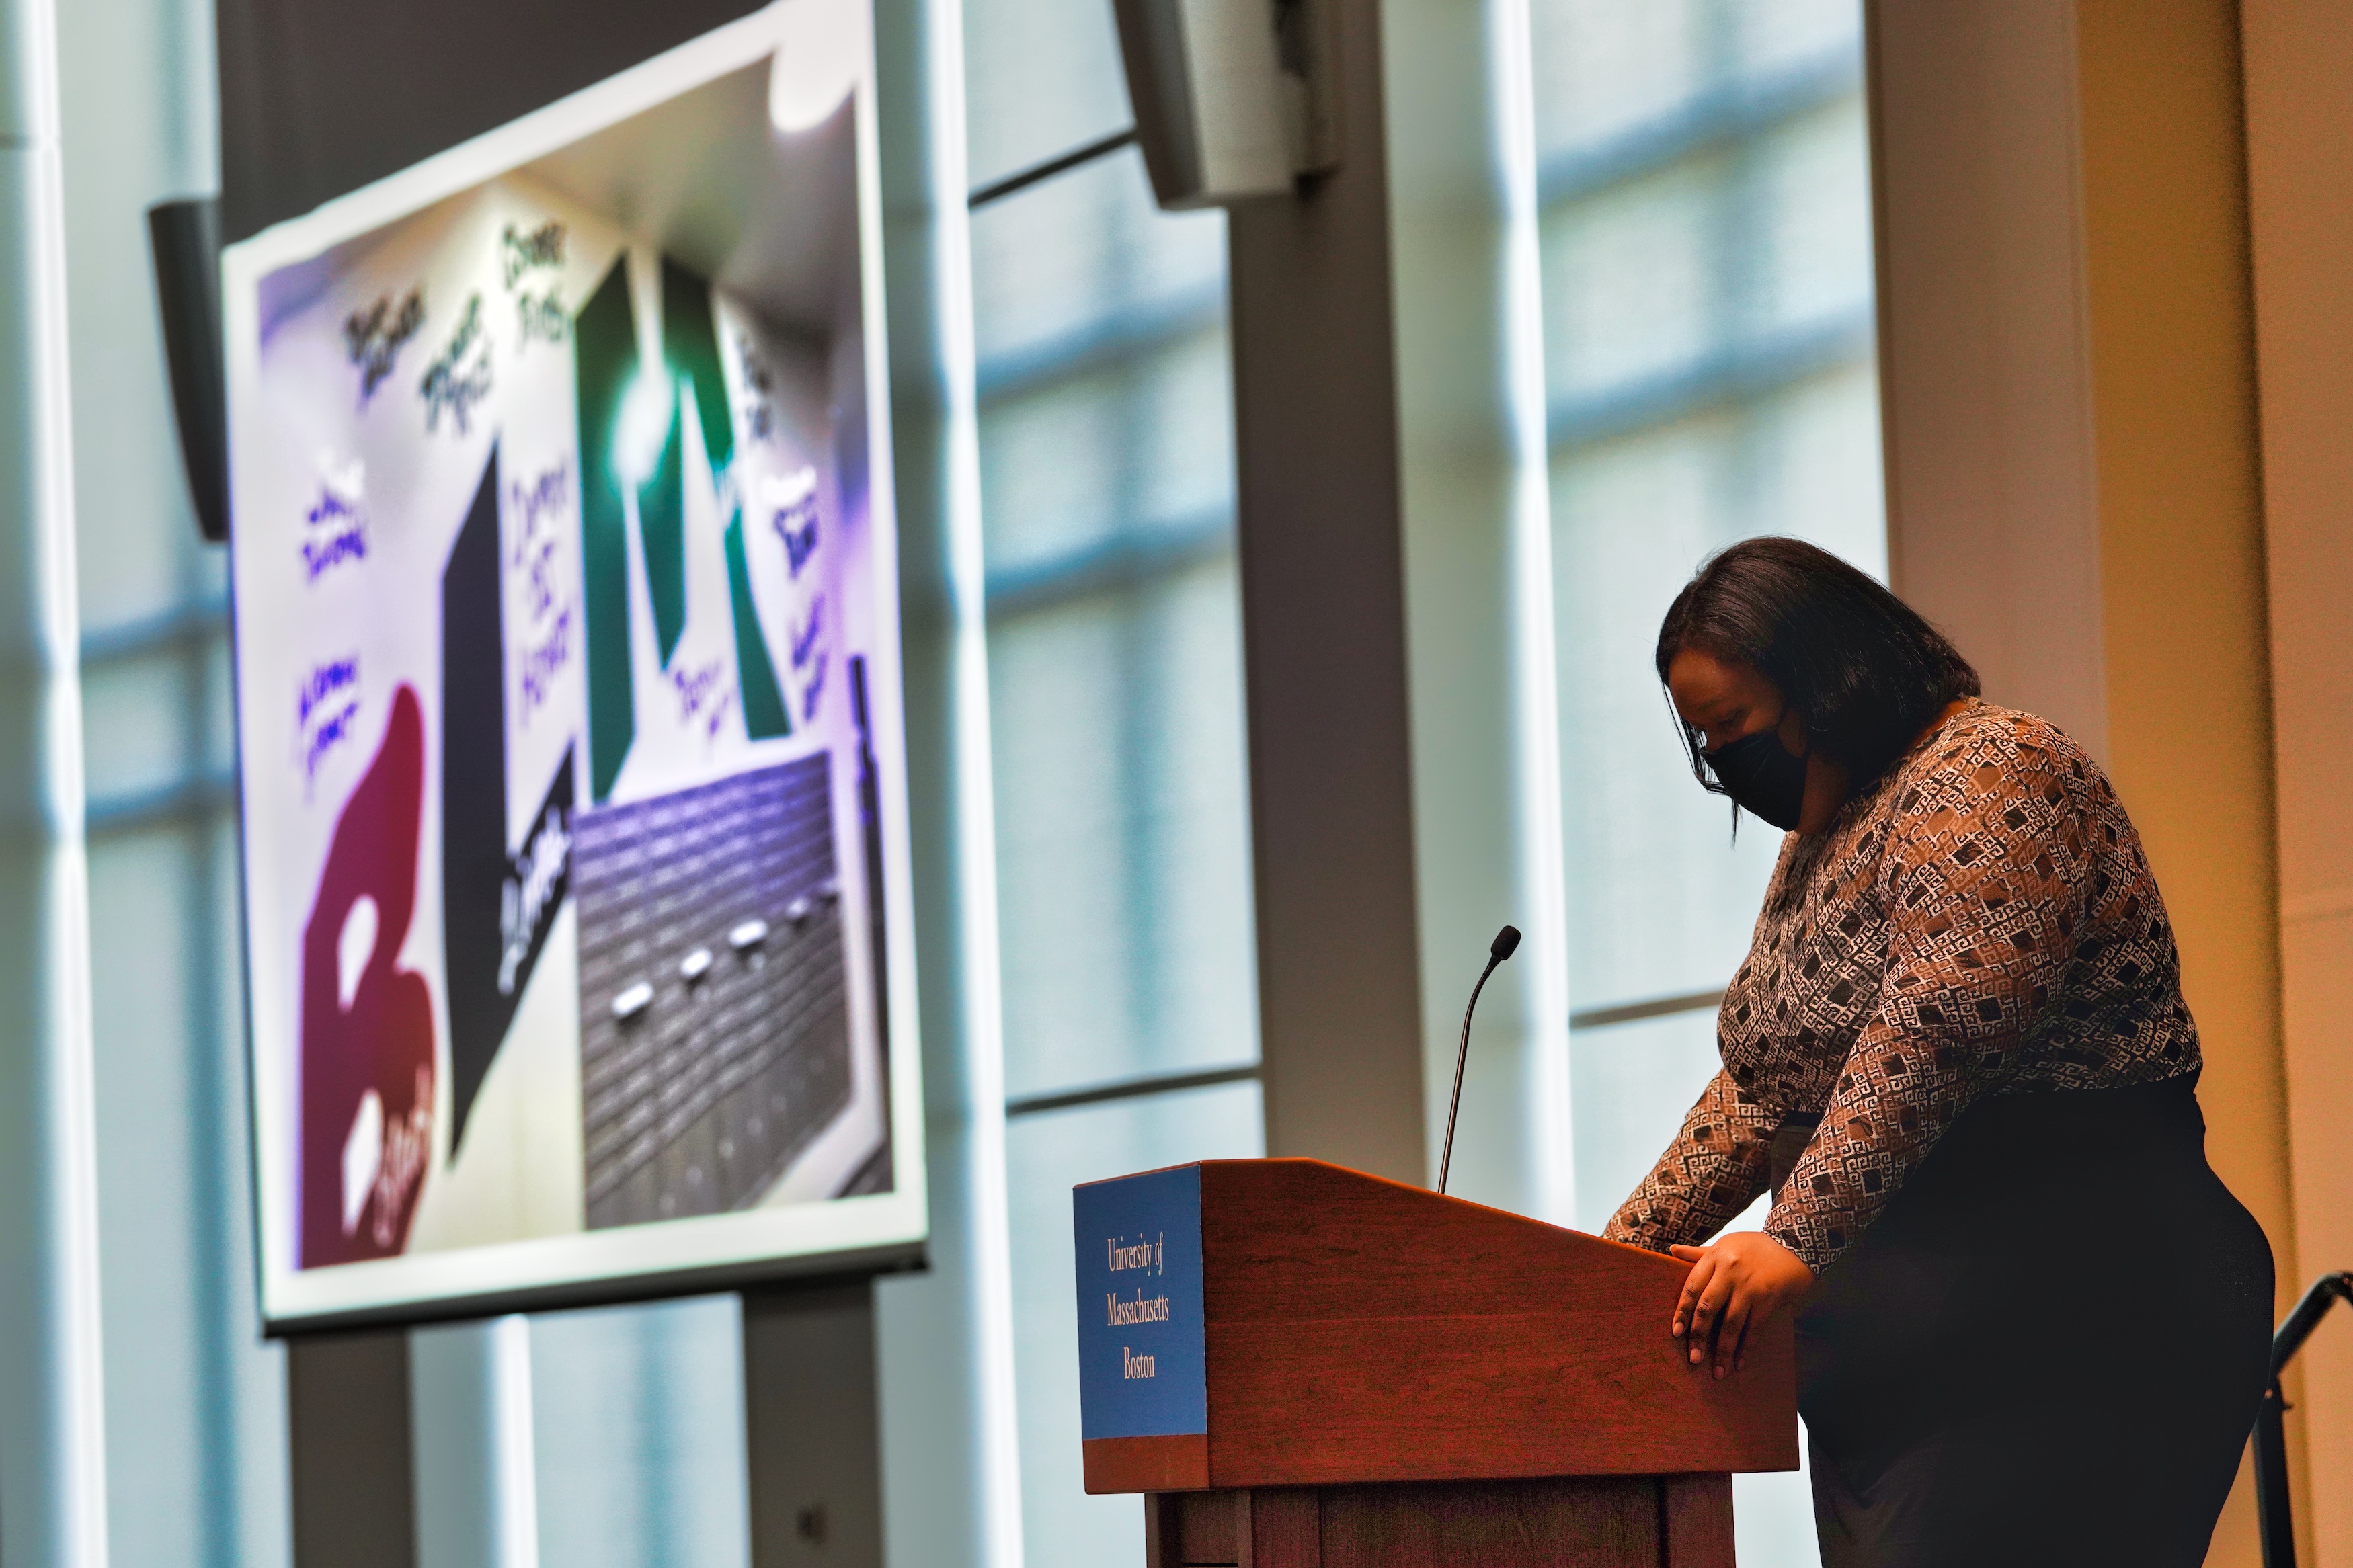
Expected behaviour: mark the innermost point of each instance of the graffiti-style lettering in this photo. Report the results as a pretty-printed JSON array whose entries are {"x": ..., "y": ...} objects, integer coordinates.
[{"x": 366, "y": 1072}]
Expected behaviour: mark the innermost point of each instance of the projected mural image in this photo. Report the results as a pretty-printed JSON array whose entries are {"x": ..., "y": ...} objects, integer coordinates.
[
  {"x": 715, "y": 1034},
  {"x": 566, "y": 646}
]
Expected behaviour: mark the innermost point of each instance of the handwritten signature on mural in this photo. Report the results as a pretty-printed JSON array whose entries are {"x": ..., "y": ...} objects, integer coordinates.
[
  {"x": 335, "y": 526},
  {"x": 805, "y": 640},
  {"x": 540, "y": 504},
  {"x": 703, "y": 695},
  {"x": 375, "y": 335},
  {"x": 326, "y": 708},
  {"x": 522, "y": 251},
  {"x": 449, "y": 382},
  {"x": 760, "y": 384},
  {"x": 815, "y": 690},
  {"x": 791, "y": 500},
  {"x": 542, "y": 318}
]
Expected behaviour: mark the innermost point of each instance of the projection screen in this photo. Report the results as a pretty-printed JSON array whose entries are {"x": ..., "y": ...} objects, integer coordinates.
[{"x": 579, "y": 964}]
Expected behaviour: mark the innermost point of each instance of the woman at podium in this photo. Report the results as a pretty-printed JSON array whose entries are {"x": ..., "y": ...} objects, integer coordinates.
[{"x": 2033, "y": 1325}]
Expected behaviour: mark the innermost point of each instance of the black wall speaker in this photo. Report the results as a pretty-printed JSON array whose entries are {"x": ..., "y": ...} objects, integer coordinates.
[
  {"x": 1235, "y": 100},
  {"x": 184, "y": 236}
]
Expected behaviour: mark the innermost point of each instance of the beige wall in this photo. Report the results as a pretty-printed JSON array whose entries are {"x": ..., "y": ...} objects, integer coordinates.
[
  {"x": 1994, "y": 530},
  {"x": 2298, "y": 63},
  {"x": 2074, "y": 481},
  {"x": 2182, "y": 575}
]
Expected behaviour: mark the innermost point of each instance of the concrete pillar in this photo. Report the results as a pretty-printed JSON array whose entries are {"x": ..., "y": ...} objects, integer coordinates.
[
  {"x": 52, "y": 1452},
  {"x": 949, "y": 1437},
  {"x": 1477, "y": 523}
]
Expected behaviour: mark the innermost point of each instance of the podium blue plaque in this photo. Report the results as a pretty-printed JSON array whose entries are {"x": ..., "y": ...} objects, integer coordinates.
[{"x": 1143, "y": 1358}]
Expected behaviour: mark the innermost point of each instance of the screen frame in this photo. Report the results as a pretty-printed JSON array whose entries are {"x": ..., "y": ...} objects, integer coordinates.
[{"x": 830, "y": 1238}]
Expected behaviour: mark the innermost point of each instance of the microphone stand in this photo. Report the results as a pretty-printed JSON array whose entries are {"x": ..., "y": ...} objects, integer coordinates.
[{"x": 1506, "y": 942}]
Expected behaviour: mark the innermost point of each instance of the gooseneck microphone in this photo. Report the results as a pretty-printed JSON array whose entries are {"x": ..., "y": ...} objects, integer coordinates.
[{"x": 1506, "y": 942}]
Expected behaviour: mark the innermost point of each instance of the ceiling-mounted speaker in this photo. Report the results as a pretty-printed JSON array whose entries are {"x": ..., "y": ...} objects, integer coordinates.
[
  {"x": 1234, "y": 98},
  {"x": 185, "y": 238}
]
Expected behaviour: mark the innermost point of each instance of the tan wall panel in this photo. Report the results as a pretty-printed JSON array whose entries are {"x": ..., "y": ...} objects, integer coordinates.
[
  {"x": 2074, "y": 483},
  {"x": 2299, "y": 90},
  {"x": 2180, "y": 534},
  {"x": 2181, "y": 554},
  {"x": 2298, "y": 59},
  {"x": 2317, "y": 955}
]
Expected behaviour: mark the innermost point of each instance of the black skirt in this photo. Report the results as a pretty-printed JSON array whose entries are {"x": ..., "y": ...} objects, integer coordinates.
[{"x": 2048, "y": 1349}]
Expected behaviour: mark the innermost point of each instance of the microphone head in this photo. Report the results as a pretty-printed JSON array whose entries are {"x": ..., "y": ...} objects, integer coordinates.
[{"x": 1506, "y": 942}]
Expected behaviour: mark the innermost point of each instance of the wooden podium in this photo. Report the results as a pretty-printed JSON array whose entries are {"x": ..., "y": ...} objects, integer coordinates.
[{"x": 1301, "y": 1366}]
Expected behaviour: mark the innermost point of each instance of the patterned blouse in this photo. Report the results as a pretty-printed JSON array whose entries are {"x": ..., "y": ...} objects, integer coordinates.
[{"x": 1982, "y": 921}]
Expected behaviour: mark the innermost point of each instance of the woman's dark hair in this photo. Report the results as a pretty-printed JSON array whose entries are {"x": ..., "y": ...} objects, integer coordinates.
[{"x": 1862, "y": 667}]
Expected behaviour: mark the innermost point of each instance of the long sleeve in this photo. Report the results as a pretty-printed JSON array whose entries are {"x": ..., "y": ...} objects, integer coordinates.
[
  {"x": 1984, "y": 880},
  {"x": 1716, "y": 1167}
]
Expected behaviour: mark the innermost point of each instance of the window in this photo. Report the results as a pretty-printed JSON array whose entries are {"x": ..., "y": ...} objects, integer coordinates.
[
  {"x": 1114, "y": 653},
  {"x": 1707, "y": 260},
  {"x": 1114, "y": 646}
]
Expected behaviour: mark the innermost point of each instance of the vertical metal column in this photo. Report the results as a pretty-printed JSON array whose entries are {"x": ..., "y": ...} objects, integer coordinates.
[
  {"x": 812, "y": 1432},
  {"x": 1321, "y": 510},
  {"x": 52, "y": 1443},
  {"x": 349, "y": 1452}
]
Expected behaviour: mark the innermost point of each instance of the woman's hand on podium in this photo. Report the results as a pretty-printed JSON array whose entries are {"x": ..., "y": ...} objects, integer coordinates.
[{"x": 1734, "y": 1285}]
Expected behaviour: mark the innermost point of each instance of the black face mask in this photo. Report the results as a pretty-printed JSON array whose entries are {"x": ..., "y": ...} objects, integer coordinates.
[{"x": 1762, "y": 778}]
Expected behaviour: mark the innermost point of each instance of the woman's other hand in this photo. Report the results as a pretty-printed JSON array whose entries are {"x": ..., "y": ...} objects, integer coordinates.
[{"x": 1734, "y": 1285}]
